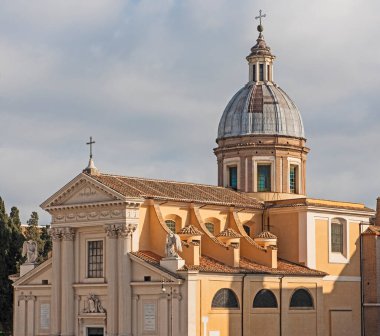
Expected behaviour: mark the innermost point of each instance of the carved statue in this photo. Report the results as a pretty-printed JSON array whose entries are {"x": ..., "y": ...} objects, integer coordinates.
[
  {"x": 30, "y": 250},
  {"x": 173, "y": 243},
  {"x": 93, "y": 305}
]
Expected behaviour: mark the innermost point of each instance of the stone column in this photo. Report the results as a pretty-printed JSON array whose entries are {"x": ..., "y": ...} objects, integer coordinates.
[
  {"x": 125, "y": 293},
  {"x": 68, "y": 311},
  {"x": 113, "y": 232},
  {"x": 56, "y": 235},
  {"x": 30, "y": 315}
]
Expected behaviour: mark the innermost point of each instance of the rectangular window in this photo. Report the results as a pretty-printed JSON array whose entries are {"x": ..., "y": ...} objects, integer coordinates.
[
  {"x": 268, "y": 72},
  {"x": 233, "y": 177},
  {"x": 254, "y": 72},
  {"x": 337, "y": 237},
  {"x": 261, "y": 74},
  {"x": 93, "y": 331},
  {"x": 95, "y": 259},
  {"x": 293, "y": 175},
  {"x": 264, "y": 178}
]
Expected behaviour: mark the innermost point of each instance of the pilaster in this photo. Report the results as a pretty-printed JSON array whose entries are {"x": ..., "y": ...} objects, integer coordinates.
[
  {"x": 113, "y": 231},
  {"x": 68, "y": 317},
  {"x": 30, "y": 299},
  {"x": 125, "y": 293},
  {"x": 56, "y": 235}
]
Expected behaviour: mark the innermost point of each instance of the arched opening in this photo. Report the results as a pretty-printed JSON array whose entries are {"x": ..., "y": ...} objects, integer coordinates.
[
  {"x": 265, "y": 299},
  {"x": 301, "y": 299},
  {"x": 225, "y": 298}
]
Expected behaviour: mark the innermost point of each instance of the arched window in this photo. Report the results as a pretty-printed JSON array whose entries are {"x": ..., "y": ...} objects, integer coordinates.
[
  {"x": 247, "y": 229},
  {"x": 170, "y": 224},
  {"x": 265, "y": 299},
  {"x": 210, "y": 227},
  {"x": 301, "y": 299},
  {"x": 225, "y": 298}
]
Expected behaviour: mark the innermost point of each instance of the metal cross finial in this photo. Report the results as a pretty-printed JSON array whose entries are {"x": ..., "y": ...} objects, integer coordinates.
[
  {"x": 260, "y": 16},
  {"x": 90, "y": 143}
]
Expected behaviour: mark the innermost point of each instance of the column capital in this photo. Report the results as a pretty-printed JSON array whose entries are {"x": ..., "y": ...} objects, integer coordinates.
[
  {"x": 55, "y": 233},
  {"x": 113, "y": 230},
  {"x": 68, "y": 233},
  {"x": 127, "y": 230}
]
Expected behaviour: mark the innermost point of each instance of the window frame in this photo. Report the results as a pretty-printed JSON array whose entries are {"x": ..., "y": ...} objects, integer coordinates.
[
  {"x": 302, "y": 307},
  {"x": 269, "y": 189},
  {"x": 88, "y": 241},
  {"x": 228, "y": 290},
  {"x": 339, "y": 257},
  {"x": 172, "y": 221},
  {"x": 297, "y": 163},
  {"x": 264, "y": 160},
  {"x": 271, "y": 294},
  {"x": 208, "y": 223},
  {"x": 227, "y": 163}
]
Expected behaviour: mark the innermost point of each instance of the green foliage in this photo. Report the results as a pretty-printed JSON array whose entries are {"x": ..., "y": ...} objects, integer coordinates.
[{"x": 11, "y": 240}]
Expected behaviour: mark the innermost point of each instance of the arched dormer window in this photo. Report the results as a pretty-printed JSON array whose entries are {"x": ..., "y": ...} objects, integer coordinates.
[
  {"x": 210, "y": 227},
  {"x": 225, "y": 298},
  {"x": 247, "y": 229},
  {"x": 301, "y": 299},
  {"x": 265, "y": 299},
  {"x": 170, "y": 224}
]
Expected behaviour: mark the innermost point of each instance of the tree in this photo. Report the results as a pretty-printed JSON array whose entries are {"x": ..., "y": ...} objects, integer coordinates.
[{"x": 11, "y": 240}]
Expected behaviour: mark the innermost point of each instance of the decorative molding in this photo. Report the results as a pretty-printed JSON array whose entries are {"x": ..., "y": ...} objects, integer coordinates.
[
  {"x": 343, "y": 278},
  {"x": 93, "y": 213},
  {"x": 56, "y": 234},
  {"x": 119, "y": 230},
  {"x": 68, "y": 234},
  {"x": 113, "y": 230}
]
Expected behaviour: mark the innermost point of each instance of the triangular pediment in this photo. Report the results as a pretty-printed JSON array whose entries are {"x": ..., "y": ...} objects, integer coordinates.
[
  {"x": 80, "y": 191},
  {"x": 35, "y": 276}
]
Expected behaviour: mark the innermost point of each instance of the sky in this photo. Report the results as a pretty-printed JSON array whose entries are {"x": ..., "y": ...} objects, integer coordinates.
[{"x": 149, "y": 80}]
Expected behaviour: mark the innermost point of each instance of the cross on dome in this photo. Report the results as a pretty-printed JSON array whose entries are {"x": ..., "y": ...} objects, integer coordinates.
[{"x": 260, "y": 16}]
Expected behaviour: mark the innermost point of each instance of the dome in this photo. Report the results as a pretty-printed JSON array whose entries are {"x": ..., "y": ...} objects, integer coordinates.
[{"x": 261, "y": 108}]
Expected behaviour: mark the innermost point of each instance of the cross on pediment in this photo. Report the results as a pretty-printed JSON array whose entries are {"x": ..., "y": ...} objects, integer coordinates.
[{"x": 90, "y": 143}]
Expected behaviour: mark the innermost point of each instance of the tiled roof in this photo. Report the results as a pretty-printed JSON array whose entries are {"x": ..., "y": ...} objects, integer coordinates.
[
  {"x": 372, "y": 229},
  {"x": 266, "y": 235},
  {"x": 190, "y": 230},
  {"x": 229, "y": 233},
  {"x": 176, "y": 191},
  {"x": 210, "y": 265},
  {"x": 297, "y": 202}
]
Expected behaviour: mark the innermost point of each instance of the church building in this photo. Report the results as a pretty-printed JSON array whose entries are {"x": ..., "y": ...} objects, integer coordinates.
[{"x": 251, "y": 256}]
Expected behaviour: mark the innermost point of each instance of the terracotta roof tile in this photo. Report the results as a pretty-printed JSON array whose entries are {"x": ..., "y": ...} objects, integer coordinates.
[
  {"x": 210, "y": 265},
  {"x": 190, "y": 230},
  {"x": 176, "y": 191},
  {"x": 372, "y": 229},
  {"x": 229, "y": 233},
  {"x": 266, "y": 235}
]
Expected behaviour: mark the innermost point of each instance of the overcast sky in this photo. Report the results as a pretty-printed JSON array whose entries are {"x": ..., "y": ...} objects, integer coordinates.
[{"x": 149, "y": 81}]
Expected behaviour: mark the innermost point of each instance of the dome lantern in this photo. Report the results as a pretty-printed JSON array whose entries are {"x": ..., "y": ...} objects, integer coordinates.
[{"x": 261, "y": 139}]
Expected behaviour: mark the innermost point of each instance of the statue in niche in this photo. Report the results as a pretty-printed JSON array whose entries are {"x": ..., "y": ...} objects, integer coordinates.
[
  {"x": 93, "y": 305},
  {"x": 30, "y": 250},
  {"x": 173, "y": 244}
]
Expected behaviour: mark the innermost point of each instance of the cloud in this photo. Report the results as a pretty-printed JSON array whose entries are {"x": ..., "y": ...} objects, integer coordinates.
[{"x": 150, "y": 79}]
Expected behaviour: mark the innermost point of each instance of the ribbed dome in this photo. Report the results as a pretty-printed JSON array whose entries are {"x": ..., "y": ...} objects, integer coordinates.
[{"x": 261, "y": 109}]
